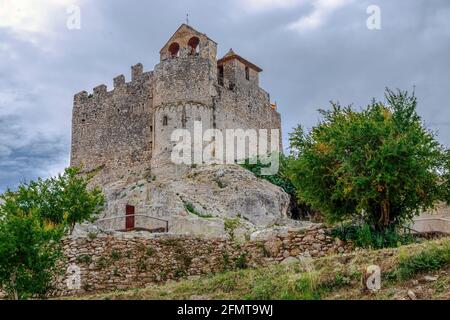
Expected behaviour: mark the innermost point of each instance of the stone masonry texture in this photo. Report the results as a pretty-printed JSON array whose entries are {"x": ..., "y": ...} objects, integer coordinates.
[{"x": 119, "y": 263}]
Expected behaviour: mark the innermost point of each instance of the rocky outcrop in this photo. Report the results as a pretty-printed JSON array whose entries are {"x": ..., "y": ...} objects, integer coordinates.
[{"x": 202, "y": 200}]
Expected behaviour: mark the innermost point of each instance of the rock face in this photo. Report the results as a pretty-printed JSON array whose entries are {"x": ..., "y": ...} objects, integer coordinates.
[{"x": 206, "y": 200}]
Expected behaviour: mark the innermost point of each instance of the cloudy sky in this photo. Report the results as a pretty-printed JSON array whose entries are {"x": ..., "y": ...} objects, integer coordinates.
[{"x": 312, "y": 51}]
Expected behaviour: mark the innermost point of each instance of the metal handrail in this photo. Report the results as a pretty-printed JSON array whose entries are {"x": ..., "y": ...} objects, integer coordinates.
[{"x": 132, "y": 216}]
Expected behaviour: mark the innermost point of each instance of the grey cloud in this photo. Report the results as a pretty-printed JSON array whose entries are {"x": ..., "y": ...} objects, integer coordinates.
[{"x": 341, "y": 60}]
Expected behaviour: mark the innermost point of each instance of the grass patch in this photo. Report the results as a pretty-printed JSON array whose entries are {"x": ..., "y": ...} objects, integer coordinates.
[
  {"x": 231, "y": 225},
  {"x": 84, "y": 258},
  {"x": 433, "y": 258},
  {"x": 191, "y": 209},
  {"x": 364, "y": 236},
  {"x": 91, "y": 174},
  {"x": 115, "y": 255}
]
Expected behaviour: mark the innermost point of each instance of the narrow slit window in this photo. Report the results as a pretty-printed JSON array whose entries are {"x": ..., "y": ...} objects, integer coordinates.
[{"x": 221, "y": 75}]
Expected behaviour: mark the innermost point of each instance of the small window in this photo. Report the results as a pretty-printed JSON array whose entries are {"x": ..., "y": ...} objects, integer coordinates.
[
  {"x": 221, "y": 75},
  {"x": 247, "y": 73},
  {"x": 183, "y": 121},
  {"x": 165, "y": 121},
  {"x": 174, "y": 49},
  {"x": 151, "y": 128}
]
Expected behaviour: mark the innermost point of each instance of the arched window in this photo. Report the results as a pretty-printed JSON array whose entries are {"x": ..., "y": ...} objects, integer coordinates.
[
  {"x": 194, "y": 45},
  {"x": 165, "y": 121},
  {"x": 174, "y": 49}
]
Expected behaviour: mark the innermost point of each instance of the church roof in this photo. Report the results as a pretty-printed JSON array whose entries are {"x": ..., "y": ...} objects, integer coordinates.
[{"x": 232, "y": 55}]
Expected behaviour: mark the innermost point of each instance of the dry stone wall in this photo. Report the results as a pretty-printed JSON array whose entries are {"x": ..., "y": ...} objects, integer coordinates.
[{"x": 106, "y": 263}]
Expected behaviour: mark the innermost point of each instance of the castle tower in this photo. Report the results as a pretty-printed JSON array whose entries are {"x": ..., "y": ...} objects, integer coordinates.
[
  {"x": 125, "y": 132},
  {"x": 184, "y": 88},
  {"x": 238, "y": 71}
]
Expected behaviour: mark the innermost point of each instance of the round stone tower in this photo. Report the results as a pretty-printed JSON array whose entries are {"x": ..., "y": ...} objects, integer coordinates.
[{"x": 184, "y": 89}]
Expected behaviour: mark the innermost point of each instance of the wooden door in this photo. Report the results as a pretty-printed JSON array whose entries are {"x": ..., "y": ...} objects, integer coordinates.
[{"x": 130, "y": 218}]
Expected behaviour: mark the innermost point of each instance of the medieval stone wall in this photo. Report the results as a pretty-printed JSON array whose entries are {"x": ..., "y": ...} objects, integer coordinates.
[
  {"x": 169, "y": 118},
  {"x": 111, "y": 263},
  {"x": 245, "y": 108},
  {"x": 112, "y": 130}
]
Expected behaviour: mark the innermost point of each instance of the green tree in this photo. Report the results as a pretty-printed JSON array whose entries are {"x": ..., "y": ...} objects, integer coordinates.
[
  {"x": 33, "y": 221},
  {"x": 65, "y": 199},
  {"x": 380, "y": 163}
]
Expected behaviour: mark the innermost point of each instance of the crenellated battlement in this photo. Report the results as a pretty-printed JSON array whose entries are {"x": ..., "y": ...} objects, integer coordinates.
[
  {"x": 119, "y": 81},
  {"x": 138, "y": 76}
]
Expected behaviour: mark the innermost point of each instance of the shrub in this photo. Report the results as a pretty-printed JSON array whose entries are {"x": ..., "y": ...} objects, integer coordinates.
[
  {"x": 84, "y": 258},
  {"x": 366, "y": 236},
  {"x": 33, "y": 221},
  {"x": 150, "y": 251},
  {"x": 191, "y": 209},
  {"x": 64, "y": 200},
  {"x": 29, "y": 250},
  {"x": 241, "y": 261},
  {"x": 380, "y": 164}
]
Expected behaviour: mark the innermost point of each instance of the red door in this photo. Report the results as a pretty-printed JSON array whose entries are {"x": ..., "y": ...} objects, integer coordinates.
[{"x": 129, "y": 220}]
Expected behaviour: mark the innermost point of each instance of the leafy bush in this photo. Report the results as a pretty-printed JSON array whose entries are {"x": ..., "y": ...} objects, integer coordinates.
[
  {"x": 380, "y": 163},
  {"x": 365, "y": 236},
  {"x": 241, "y": 261},
  {"x": 33, "y": 221}
]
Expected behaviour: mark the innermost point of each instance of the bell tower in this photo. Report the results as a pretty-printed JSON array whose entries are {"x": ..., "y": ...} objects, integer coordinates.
[{"x": 184, "y": 88}]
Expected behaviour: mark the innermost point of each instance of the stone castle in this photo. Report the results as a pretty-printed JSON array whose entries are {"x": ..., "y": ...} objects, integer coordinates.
[{"x": 129, "y": 128}]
